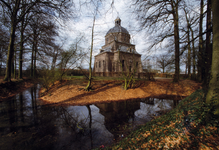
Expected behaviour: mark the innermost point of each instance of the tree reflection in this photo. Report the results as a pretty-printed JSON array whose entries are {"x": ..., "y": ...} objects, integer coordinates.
[
  {"x": 90, "y": 125},
  {"x": 34, "y": 104}
]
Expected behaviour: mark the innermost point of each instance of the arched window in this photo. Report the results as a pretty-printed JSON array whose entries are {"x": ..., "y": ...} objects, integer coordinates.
[
  {"x": 99, "y": 64},
  {"x": 136, "y": 64}
]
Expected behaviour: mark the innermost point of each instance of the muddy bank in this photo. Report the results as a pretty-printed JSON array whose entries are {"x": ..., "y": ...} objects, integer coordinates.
[{"x": 10, "y": 89}]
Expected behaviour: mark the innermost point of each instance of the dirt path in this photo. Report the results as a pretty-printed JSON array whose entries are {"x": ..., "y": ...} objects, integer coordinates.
[{"x": 107, "y": 91}]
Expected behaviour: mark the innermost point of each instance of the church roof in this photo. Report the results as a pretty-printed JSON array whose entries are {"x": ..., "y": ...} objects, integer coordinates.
[
  {"x": 128, "y": 49},
  {"x": 117, "y": 27},
  {"x": 125, "y": 49}
]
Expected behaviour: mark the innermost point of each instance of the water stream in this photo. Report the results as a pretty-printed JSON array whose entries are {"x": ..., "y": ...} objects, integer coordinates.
[{"x": 26, "y": 123}]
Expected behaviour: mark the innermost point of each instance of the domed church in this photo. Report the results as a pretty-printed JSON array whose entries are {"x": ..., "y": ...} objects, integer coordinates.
[{"x": 118, "y": 54}]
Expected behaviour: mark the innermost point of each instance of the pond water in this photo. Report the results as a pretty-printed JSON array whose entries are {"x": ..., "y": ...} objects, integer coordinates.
[{"x": 26, "y": 123}]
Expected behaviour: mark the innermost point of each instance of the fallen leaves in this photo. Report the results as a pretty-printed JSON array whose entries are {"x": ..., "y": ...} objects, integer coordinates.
[{"x": 107, "y": 91}]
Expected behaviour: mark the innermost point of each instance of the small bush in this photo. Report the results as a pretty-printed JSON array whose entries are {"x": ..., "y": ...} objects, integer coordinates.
[{"x": 49, "y": 77}]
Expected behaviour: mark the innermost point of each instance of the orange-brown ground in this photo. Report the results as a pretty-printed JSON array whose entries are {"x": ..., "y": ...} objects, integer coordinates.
[{"x": 107, "y": 91}]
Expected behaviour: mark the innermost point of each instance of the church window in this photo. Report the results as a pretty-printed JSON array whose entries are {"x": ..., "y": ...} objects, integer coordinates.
[
  {"x": 99, "y": 64},
  {"x": 96, "y": 64},
  {"x": 136, "y": 64},
  {"x": 123, "y": 64}
]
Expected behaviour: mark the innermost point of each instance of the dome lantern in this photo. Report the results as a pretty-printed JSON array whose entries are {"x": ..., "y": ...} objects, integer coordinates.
[{"x": 118, "y": 21}]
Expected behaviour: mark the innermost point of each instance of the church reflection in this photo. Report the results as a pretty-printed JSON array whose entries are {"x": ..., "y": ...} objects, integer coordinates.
[{"x": 118, "y": 113}]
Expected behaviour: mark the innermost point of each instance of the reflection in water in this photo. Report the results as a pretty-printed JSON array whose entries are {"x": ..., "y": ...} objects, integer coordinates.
[
  {"x": 117, "y": 114},
  {"x": 25, "y": 123}
]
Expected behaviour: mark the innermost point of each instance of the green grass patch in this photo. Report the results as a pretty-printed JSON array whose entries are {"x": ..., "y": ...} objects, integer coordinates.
[{"x": 74, "y": 77}]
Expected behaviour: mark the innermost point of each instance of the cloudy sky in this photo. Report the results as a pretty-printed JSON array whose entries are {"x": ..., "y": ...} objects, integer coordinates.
[{"x": 106, "y": 15}]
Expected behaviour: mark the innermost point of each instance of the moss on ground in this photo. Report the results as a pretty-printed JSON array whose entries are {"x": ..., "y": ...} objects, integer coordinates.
[{"x": 188, "y": 126}]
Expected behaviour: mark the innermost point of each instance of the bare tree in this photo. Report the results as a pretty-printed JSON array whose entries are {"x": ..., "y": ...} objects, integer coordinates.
[
  {"x": 193, "y": 55},
  {"x": 155, "y": 16},
  {"x": 71, "y": 58},
  {"x": 41, "y": 39},
  {"x": 3, "y": 45},
  {"x": 200, "y": 53},
  {"x": 16, "y": 13},
  {"x": 13, "y": 10},
  {"x": 208, "y": 48},
  {"x": 188, "y": 40},
  {"x": 22, "y": 28},
  {"x": 88, "y": 87},
  {"x": 95, "y": 12},
  {"x": 163, "y": 61}
]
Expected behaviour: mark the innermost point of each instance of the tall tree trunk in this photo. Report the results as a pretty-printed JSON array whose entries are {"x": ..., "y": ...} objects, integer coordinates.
[
  {"x": 200, "y": 51},
  {"x": 176, "y": 38},
  {"x": 189, "y": 54},
  {"x": 32, "y": 59},
  {"x": 20, "y": 75},
  {"x": 15, "y": 63},
  {"x": 10, "y": 52},
  {"x": 208, "y": 50},
  {"x": 88, "y": 87},
  {"x": 90, "y": 125},
  {"x": 189, "y": 47},
  {"x": 34, "y": 64},
  {"x": 193, "y": 55},
  {"x": 214, "y": 82},
  {"x": 11, "y": 42}
]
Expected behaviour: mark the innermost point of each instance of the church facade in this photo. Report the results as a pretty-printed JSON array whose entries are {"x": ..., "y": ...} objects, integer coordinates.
[{"x": 118, "y": 54}]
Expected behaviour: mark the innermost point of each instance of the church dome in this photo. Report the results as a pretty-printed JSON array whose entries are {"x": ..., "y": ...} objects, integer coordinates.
[{"x": 117, "y": 28}]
